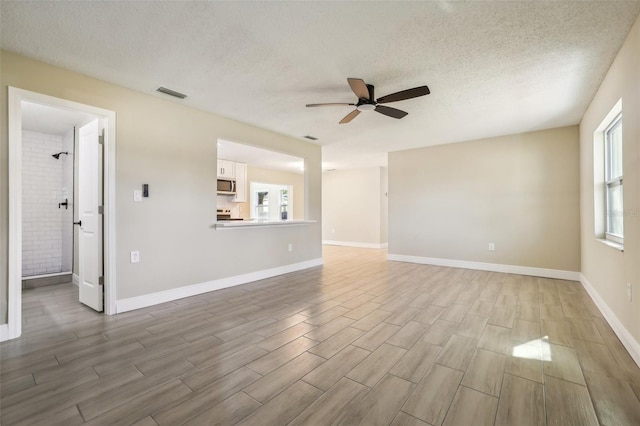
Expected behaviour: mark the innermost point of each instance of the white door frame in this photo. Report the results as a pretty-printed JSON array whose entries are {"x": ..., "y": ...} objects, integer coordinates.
[{"x": 13, "y": 328}]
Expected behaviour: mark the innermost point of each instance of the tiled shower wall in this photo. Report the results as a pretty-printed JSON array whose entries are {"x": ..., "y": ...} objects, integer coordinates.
[{"x": 47, "y": 238}]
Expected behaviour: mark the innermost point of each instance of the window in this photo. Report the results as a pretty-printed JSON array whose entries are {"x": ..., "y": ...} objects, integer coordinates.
[
  {"x": 614, "y": 217},
  {"x": 273, "y": 202}
]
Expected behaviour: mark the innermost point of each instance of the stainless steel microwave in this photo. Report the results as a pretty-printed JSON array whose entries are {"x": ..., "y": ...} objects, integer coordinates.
[{"x": 226, "y": 186}]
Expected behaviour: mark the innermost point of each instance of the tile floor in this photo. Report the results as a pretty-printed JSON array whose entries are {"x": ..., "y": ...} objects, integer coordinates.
[{"x": 357, "y": 341}]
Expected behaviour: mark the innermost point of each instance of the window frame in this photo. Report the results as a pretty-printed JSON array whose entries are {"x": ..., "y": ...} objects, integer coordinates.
[{"x": 609, "y": 181}]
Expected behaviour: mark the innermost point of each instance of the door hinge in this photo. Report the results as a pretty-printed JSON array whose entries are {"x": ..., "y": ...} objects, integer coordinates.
[
  {"x": 100, "y": 280},
  {"x": 101, "y": 137},
  {"x": 100, "y": 209}
]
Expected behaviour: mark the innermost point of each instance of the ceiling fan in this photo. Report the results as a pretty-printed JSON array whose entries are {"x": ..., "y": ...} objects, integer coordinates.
[{"x": 368, "y": 102}]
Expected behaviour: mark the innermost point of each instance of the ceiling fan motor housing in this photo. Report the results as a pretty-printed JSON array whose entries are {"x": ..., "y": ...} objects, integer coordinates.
[
  {"x": 371, "y": 89},
  {"x": 367, "y": 104}
]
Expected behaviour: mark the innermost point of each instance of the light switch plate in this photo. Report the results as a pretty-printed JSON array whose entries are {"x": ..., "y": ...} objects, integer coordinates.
[
  {"x": 137, "y": 195},
  {"x": 135, "y": 256}
]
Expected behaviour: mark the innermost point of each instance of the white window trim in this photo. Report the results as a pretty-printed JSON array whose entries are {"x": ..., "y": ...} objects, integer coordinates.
[
  {"x": 599, "y": 178},
  {"x": 608, "y": 181}
]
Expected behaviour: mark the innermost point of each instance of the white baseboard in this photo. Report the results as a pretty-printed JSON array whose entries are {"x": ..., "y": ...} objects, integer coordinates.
[
  {"x": 4, "y": 332},
  {"x": 632, "y": 346},
  {"x": 75, "y": 279},
  {"x": 355, "y": 244},
  {"x": 139, "y": 302},
  {"x": 493, "y": 267}
]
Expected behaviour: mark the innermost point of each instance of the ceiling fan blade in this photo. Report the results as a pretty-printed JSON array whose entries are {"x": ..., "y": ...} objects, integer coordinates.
[
  {"x": 391, "y": 112},
  {"x": 359, "y": 87},
  {"x": 405, "y": 94},
  {"x": 347, "y": 118},
  {"x": 330, "y": 104}
]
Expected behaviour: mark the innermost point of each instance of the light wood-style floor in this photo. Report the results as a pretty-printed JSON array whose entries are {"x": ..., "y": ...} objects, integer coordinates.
[{"x": 357, "y": 341}]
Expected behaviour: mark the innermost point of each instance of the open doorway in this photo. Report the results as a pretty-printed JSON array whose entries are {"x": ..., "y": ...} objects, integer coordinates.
[
  {"x": 61, "y": 177},
  {"x": 49, "y": 194},
  {"x": 277, "y": 177}
]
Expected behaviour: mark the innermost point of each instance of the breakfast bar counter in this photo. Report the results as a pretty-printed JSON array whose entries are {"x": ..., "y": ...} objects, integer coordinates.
[{"x": 257, "y": 223}]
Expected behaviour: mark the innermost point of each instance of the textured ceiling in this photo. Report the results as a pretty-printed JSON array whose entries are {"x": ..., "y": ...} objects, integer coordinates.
[
  {"x": 494, "y": 68},
  {"x": 49, "y": 120},
  {"x": 257, "y": 157}
]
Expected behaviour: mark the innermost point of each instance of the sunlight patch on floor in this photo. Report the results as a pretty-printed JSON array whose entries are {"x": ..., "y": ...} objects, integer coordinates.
[{"x": 534, "y": 349}]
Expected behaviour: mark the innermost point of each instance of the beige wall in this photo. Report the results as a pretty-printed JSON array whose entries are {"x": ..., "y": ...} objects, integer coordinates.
[
  {"x": 277, "y": 177},
  {"x": 607, "y": 269},
  {"x": 384, "y": 205},
  {"x": 353, "y": 207},
  {"x": 519, "y": 192},
  {"x": 172, "y": 148}
]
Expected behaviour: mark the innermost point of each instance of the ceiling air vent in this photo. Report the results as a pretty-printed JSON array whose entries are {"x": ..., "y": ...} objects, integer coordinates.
[
  {"x": 171, "y": 92},
  {"x": 312, "y": 138}
]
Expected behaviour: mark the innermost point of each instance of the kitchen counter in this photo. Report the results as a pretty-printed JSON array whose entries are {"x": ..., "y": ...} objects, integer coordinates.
[{"x": 238, "y": 224}]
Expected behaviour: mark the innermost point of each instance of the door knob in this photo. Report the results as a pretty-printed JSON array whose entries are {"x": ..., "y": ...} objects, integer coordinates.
[{"x": 78, "y": 223}]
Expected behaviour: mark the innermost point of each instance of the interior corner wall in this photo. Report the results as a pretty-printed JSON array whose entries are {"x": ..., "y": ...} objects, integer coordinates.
[
  {"x": 519, "y": 192},
  {"x": 606, "y": 269},
  {"x": 171, "y": 147},
  {"x": 351, "y": 207}
]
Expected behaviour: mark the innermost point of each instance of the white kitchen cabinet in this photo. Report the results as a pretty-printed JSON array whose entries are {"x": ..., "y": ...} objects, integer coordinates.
[
  {"x": 241, "y": 183},
  {"x": 226, "y": 169}
]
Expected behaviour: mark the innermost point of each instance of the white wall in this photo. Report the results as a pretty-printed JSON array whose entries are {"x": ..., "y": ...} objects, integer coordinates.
[
  {"x": 354, "y": 207},
  {"x": 606, "y": 269},
  {"x": 46, "y": 241},
  {"x": 520, "y": 192}
]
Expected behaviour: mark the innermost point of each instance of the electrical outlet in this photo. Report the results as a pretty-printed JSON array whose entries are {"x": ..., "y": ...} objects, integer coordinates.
[
  {"x": 492, "y": 246},
  {"x": 137, "y": 195},
  {"x": 135, "y": 256},
  {"x": 629, "y": 294},
  {"x": 290, "y": 247}
]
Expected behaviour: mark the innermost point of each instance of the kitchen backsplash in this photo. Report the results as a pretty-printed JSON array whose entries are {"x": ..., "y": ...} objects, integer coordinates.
[{"x": 223, "y": 203}]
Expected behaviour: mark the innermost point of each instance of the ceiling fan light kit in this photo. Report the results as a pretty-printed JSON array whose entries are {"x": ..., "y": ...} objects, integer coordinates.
[
  {"x": 366, "y": 107},
  {"x": 368, "y": 102}
]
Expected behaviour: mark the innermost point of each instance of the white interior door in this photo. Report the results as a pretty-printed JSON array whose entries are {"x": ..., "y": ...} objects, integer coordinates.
[{"x": 90, "y": 259}]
